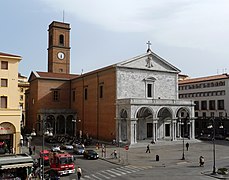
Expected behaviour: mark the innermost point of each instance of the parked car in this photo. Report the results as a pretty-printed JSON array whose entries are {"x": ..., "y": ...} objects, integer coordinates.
[
  {"x": 55, "y": 148},
  {"x": 78, "y": 149},
  {"x": 66, "y": 147},
  {"x": 206, "y": 137},
  {"x": 219, "y": 136},
  {"x": 90, "y": 154}
]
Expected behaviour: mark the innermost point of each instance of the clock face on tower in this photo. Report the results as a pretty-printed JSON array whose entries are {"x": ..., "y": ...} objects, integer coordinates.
[{"x": 60, "y": 55}]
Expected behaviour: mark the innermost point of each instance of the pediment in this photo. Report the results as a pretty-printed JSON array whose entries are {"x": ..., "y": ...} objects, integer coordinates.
[{"x": 148, "y": 61}]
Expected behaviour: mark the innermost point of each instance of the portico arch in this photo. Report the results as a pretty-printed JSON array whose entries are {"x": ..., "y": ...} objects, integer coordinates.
[
  {"x": 165, "y": 123},
  {"x": 144, "y": 123}
]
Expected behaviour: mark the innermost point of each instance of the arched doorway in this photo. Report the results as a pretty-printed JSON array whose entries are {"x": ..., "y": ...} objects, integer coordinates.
[
  {"x": 144, "y": 123},
  {"x": 184, "y": 122},
  {"x": 164, "y": 123}
]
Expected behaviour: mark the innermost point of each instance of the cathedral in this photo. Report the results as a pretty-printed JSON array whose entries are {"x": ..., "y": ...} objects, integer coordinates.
[{"x": 129, "y": 101}]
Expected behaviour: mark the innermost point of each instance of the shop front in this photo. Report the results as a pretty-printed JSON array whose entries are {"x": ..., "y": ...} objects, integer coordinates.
[
  {"x": 15, "y": 166},
  {"x": 9, "y": 138}
]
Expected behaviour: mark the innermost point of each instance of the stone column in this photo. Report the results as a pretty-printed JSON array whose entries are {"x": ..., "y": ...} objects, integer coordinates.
[
  {"x": 192, "y": 129},
  {"x": 174, "y": 137},
  {"x": 155, "y": 130},
  {"x": 133, "y": 131}
]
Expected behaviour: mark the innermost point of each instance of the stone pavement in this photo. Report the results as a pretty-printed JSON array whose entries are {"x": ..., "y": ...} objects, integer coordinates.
[{"x": 169, "y": 152}]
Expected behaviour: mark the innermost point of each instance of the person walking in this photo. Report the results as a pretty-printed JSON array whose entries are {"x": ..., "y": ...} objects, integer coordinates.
[
  {"x": 115, "y": 154},
  {"x": 147, "y": 149},
  {"x": 79, "y": 172},
  {"x": 187, "y": 146},
  {"x": 30, "y": 150},
  {"x": 34, "y": 148}
]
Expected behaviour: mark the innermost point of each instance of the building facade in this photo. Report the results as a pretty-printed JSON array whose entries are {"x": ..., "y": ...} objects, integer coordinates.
[
  {"x": 210, "y": 95},
  {"x": 129, "y": 101},
  {"x": 10, "y": 113},
  {"x": 23, "y": 85}
]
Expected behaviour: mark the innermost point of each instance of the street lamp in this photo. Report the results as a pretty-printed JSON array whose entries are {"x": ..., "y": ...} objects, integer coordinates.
[
  {"x": 47, "y": 132},
  {"x": 212, "y": 126},
  {"x": 182, "y": 122}
]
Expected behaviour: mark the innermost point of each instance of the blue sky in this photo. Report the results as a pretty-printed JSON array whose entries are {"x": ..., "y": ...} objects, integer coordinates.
[{"x": 190, "y": 34}]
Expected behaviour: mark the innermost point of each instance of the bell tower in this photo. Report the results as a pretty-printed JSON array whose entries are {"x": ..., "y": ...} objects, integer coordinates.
[{"x": 59, "y": 48}]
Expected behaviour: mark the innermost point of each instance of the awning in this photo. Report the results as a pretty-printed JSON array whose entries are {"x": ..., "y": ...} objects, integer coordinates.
[{"x": 13, "y": 166}]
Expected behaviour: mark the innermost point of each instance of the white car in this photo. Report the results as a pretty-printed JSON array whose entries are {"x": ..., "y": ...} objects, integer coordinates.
[
  {"x": 66, "y": 146},
  {"x": 55, "y": 148}
]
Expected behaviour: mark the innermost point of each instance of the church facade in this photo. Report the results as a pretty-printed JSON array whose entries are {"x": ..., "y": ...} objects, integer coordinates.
[{"x": 130, "y": 101}]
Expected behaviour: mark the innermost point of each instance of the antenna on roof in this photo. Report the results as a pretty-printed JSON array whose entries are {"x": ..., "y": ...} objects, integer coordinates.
[{"x": 63, "y": 16}]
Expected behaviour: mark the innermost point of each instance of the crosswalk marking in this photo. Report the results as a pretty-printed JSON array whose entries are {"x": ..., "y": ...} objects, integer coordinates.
[
  {"x": 103, "y": 175},
  {"x": 108, "y": 173},
  {"x": 124, "y": 170},
  {"x": 96, "y": 177},
  {"x": 115, "y": 172}
]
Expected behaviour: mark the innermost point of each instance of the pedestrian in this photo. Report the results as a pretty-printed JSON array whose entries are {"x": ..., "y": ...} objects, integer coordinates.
[
  {"x": 147, "y": 148},
  {"x": 115, "y": 154},
  {"x": 201, "y": 160},
  {"x": 187, "y": 146},
  {"x": 79, "y": 172},
  {"x": 30, "y": 150},
  {"x": 34, "y": 148}
]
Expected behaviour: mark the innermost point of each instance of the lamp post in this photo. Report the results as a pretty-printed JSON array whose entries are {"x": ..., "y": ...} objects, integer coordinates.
[
  {"x": 48, "y": 133},
  {"x": 182, "y": 120},
  {"x": 212, "y": 126}
]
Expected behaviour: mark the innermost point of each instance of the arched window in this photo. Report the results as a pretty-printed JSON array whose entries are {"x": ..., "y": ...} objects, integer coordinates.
[{"x": 61, "y": 39}]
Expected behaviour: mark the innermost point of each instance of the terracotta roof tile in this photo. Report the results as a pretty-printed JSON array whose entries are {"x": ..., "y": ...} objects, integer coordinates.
[
  {"x": 203, "y": 79},
  {"x": 56, "y": 75}
]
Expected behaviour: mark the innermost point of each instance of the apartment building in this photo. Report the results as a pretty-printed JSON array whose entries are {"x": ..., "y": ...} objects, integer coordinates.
[
  {"x": 211, "y": 98},
  {"x": 23, "y": 85},
  {"x": 10, "y": 113}
]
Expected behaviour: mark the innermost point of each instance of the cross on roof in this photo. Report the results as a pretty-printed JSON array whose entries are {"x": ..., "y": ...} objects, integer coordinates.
[{"x": 149, "y": 44}]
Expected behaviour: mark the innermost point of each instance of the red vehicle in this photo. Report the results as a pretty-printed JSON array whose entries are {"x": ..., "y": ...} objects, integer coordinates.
[
  {"x": 45, "y": 156},
  {"x": 62, "y": 162}
]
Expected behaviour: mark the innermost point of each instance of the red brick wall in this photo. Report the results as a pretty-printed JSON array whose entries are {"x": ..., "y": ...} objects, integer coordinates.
[
  {"x": 97, "y": 114},
  {"x": 41, "y": 97}
]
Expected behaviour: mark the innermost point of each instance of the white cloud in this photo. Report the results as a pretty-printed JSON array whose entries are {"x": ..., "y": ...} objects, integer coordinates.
[{"x": 190, "y": 23}]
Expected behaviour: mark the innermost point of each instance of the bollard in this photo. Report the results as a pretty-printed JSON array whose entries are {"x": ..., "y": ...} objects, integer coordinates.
[{"x": 157, "y": 157}]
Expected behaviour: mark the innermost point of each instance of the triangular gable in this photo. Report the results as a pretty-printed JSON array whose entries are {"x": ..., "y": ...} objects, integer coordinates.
[
  {"x": 33, "y": 76},
  {"x": 149, "y": 61}
]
